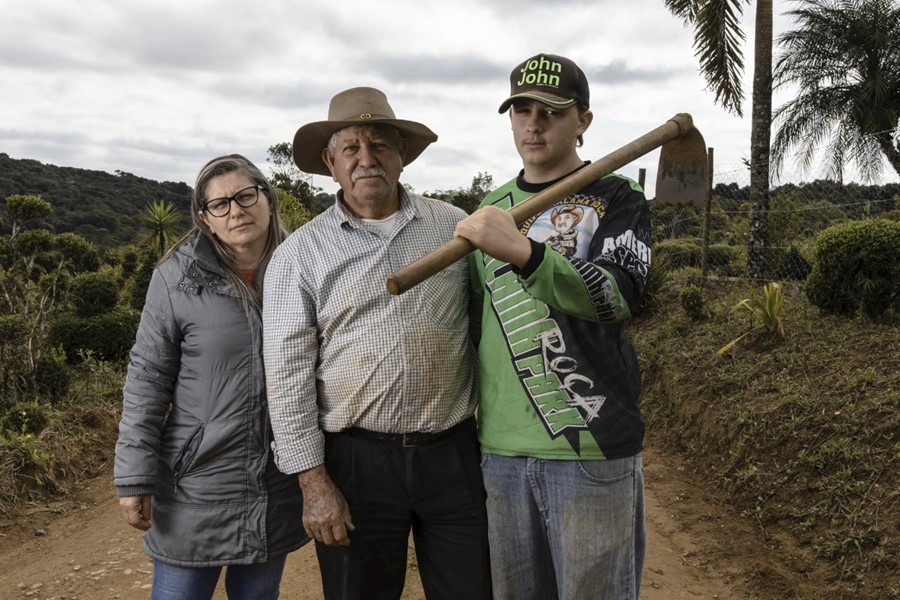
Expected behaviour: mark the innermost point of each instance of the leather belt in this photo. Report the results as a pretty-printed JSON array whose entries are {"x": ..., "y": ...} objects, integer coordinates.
[{"x": 401, "y": 440}]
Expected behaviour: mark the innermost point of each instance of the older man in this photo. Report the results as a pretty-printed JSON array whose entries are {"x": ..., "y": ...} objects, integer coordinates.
[{"x": 372, "y": 396}]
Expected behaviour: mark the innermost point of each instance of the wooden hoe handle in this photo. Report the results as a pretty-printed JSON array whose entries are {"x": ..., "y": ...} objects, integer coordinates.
[{"x": 445, "y": 255}]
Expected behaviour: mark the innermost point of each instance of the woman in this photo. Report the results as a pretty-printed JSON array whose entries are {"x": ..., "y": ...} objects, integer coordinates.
[{"x": 193, "y": 466}]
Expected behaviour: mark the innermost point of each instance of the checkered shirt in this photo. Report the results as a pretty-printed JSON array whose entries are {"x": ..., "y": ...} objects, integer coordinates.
[{"x": 340, "y": 351}]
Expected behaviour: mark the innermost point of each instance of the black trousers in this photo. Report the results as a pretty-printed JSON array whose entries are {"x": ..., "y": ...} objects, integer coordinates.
[{"x": 435, "y": 490}]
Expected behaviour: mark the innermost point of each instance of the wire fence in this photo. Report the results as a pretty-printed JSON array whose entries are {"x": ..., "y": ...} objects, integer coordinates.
[{"x": 796, "y": 214}]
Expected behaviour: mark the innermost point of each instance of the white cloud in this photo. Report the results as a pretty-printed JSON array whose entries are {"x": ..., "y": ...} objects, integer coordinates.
[{"x": 157, "y": 88}]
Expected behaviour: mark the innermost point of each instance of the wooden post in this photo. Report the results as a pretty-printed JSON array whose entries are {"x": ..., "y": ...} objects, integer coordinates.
[{"x": 704, "y": 251}]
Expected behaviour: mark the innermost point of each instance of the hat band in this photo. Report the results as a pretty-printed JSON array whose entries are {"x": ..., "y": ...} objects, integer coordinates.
[{"x": 364, "y": 117}]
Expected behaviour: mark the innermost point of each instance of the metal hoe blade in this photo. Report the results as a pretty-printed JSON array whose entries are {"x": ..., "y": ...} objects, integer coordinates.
[{"x": 683, "y": 175}]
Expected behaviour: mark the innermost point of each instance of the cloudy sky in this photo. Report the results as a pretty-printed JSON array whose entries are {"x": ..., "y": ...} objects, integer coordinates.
[{"x": 158, "y": 88}]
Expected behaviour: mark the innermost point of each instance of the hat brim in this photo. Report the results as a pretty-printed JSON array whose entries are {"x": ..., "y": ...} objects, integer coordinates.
[
  {"x": 548, "y": 99},
  {"x": 312, "y": 138}
]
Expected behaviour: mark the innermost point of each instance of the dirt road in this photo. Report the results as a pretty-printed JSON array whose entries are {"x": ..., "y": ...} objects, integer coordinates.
[{"x": 80, "y": 548}]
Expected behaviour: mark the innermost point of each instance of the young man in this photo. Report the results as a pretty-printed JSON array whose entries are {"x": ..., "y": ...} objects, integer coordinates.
[
  {"x": 559, "y": 423},
  {"x": 372, "y": 396}
]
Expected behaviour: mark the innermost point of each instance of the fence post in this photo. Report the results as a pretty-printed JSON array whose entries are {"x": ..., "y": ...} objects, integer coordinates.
[{"x": 704, "y": 250}]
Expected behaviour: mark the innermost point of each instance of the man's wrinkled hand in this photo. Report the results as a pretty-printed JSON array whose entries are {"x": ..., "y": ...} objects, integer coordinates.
[{"x": 326, "y": 515}]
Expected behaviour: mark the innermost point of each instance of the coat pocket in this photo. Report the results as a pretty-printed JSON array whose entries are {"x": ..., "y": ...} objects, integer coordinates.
[{"x": 187, "y": 454}]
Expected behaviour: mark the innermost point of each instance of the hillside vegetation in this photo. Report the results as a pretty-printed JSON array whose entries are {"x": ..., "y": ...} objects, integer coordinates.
[
  {"x": 101, "y": 207},
  {"x": 800, "y": 433}
]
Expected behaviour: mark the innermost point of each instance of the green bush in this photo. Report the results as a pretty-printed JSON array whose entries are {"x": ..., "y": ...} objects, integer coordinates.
[
  {"x": 680, "y": 252},
  {"x": 12, "y": 329},
  {"x": 94, "y": 293},
  {"x": 788, "y": 264},
  {"x": 856, "y": 268},
  {"x": 687, "y": 275},
  {"x": 25, "y": 418},
  {"x": 109, "y": 336},
  {"x": 130, "y": 261},
  {"x": 726, "y": 260},
  {"x": 52, "y": 377},
  {"x": 674, "y": 221},
  {"x": 693, "y": 301},
  {"x": 141, "y": 282},
  {"x": 81, "y": 255},
  {"x": 13, "y": 368}
]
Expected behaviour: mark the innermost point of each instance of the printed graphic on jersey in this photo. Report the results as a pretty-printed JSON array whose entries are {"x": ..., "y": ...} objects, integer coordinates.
[
  {"x": 629, "y": 251},
  {"x": 565, "y": 400},
  {"x": 569, "y": 227}
]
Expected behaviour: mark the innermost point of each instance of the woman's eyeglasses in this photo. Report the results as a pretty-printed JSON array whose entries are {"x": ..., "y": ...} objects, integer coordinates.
[{"x": 245, "y": 198}]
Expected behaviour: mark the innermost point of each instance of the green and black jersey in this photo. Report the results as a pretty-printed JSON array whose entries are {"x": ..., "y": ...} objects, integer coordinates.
[{"x": 559, "y": 379}]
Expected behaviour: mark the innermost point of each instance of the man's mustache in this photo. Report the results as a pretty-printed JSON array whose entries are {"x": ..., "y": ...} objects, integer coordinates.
[{"x": 364, "y": 172}]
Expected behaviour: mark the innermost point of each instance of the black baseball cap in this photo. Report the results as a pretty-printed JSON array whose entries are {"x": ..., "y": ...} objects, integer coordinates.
[{"x": 554, "y": 80}]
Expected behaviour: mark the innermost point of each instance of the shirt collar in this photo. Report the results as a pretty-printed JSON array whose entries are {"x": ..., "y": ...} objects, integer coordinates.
[{"x": 408, "y": 210}]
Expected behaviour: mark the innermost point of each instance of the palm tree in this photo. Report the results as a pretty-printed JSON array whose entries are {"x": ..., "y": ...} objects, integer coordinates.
[
  {"x": 845, "y": 58},
  {"x": 163, "y": 220},
  {"x": 718, "y": 41}
]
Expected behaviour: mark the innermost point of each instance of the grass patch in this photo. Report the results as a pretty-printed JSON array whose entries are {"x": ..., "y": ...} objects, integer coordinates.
[{"x": 77, "y": 441}]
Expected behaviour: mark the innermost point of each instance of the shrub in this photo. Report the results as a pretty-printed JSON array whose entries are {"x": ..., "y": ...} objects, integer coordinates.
[
  {"x": 693, "y": 301},
  {"x": 681, "y": 252},
  {"x": 726, "y": 260},
  {"x": 687, "y": 275},
  {"x": 25, "y": 418},
  {"x": 141, "y": 282},
  {"x": 674, "y": 221},
  {"x": 94, "y": 293},
  {"x": 80, "y": 255},
  {"x": 12, "y": 329},
  {"x": 109, "y": 336},
  {"x": 13, "y": 368},
  {"x": 856, "y": 268},
  {"x": 52, "y": 377},
  {"x": 788, "y": 264},
  {"x": 130, "y": 261}
]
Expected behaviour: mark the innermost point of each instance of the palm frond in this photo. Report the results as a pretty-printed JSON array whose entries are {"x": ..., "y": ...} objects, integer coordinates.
[
  {"x": 718, "y": 44},
  {"x": 686, "y": 10}
]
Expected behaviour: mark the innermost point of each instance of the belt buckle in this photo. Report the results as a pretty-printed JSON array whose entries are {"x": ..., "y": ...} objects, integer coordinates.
[{"x": 403, "y": 441}]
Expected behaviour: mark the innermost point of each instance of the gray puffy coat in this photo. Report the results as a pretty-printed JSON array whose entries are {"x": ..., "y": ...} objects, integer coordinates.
[{"x": 195, "y": 430}]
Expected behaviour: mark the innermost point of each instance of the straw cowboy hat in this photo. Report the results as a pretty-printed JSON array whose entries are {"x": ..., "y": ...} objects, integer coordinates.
[{"x": 356, "y": 106}]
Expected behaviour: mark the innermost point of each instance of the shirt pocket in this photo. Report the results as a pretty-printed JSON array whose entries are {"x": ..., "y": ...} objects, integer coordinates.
[{"x": 446, "y": 296}]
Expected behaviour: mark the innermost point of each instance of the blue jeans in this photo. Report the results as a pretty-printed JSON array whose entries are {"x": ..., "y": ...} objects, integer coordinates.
[
  {"x": 565, "y": 529},
  {"x": 259, "y": 581}
]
